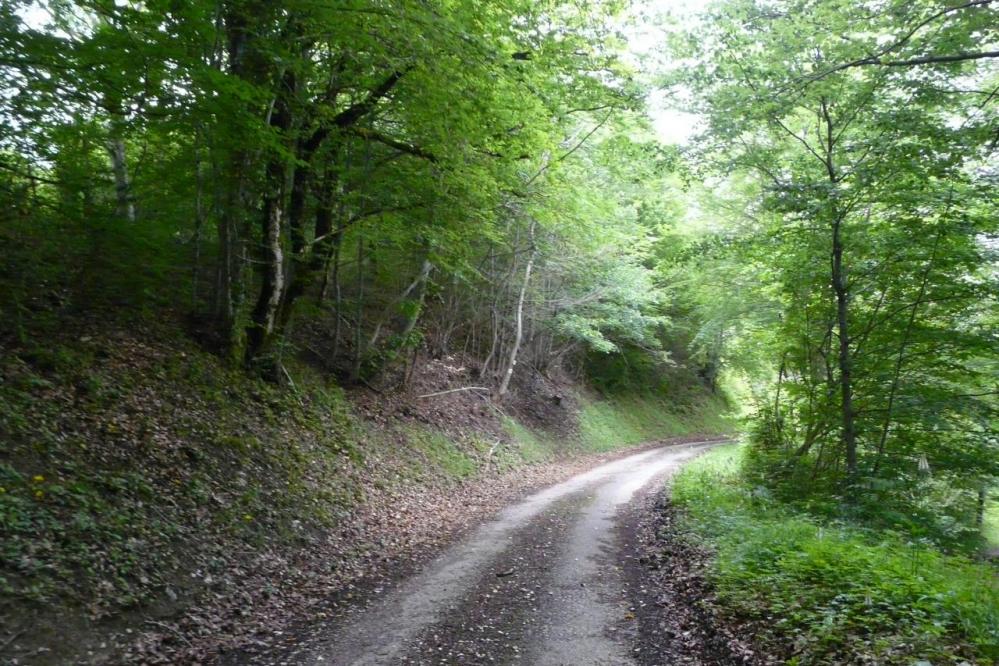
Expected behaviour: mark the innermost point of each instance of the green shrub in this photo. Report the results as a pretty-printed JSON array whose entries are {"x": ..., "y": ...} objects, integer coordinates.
[
  {"x": 990, "y": 530},
  {"x": 835, "y": 592}
]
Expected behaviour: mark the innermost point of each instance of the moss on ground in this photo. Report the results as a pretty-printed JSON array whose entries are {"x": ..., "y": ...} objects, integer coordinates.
[
  {"x": 612, "y": 423},
  {"x": 440, "y": 455},
  {"x": 526, "y": 445}
]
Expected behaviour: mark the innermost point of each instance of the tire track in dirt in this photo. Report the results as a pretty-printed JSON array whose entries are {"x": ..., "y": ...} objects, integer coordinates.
[{"x": 564, "y": 600}]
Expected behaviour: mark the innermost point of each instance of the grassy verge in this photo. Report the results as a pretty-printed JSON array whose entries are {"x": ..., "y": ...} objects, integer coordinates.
[
  {"x": 624, "y": 421},
  {"x": 991, "y": 529},
  {"x": 833, "y": 593},
  {"x": 434, "y": 454},
  {"x": 124, "y": 460},
  {"x": 527, "y": 445},
  {"x": 618, "y": 422}
]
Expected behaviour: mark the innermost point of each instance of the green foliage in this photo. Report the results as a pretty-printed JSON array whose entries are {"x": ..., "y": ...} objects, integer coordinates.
[
  {"x": 935, "y": 507},
  {"x": 468, "y": 182},
  {"x": 149, "y": 144},
  {"x": 613, "y": 423},
  {"x": 990, "y": 532},
  {"x": 828, "y": 592},
  {"x": 858, "y": 249},
  {"x": 56, "y": 268}
]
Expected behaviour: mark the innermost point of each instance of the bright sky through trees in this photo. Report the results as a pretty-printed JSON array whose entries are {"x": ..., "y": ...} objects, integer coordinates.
[{"x": 649, "y": 24}]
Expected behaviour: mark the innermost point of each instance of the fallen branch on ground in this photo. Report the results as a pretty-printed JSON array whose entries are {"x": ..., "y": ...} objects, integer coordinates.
[{"x": 463, "y": 388}]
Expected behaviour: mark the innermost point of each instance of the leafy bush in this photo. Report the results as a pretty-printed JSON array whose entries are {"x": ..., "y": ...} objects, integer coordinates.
[
  {"x": 939, "y": 506},
  {"x": 832, "y": 592}
]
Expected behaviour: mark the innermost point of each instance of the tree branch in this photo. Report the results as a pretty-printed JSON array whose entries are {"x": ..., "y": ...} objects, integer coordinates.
[
  {"x": 391, "y": 142},
  {"x": 464, "y": 388},
  {"x": 353, "y": 113},
  {"x": 877, "y": 58},
  {"x": 913, "y": 62},
  {"x": 29, "y": 176}
]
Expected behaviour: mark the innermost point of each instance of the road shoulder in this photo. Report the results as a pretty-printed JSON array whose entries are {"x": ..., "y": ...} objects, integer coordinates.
[{"x": 671, "y": 597}]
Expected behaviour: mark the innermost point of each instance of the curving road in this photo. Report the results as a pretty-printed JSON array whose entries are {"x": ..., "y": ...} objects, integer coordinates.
[{"x": 544, "y": 584}]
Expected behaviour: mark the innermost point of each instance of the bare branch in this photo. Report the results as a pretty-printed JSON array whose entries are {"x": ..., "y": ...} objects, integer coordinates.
[
  {"x": 391, "y": 142},
  {"x": 463, "y": 388}
]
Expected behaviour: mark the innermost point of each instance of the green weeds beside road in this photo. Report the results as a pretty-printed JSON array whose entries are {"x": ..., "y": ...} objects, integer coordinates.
[{"x": 831, "y": 592}]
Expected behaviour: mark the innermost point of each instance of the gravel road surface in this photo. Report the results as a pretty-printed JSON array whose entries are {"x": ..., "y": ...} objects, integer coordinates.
[{"x": 543, "y": 584}]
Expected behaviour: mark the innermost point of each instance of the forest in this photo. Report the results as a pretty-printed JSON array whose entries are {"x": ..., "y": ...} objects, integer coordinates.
[{"x": 247, "y": 244}]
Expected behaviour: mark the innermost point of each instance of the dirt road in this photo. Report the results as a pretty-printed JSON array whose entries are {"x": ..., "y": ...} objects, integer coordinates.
[{"x": 542, "y": 584}]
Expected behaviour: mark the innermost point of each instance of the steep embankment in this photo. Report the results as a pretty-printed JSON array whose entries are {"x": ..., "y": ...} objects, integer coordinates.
[{"x": 157, "y": 506}]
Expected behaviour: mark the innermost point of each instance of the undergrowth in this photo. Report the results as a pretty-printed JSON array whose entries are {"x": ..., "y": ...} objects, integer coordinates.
[
  {"x": 830, "y": 592},
  {"x": 617, "y": 422},
  {"x": 527, "y": 445}
]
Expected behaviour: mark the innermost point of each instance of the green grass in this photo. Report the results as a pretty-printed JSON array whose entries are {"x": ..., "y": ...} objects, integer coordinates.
[
  {"x": 613, "y": 423},
  {"x": 443, "y": 453},
  {"x": 832, "y": 592},
  {"x": 617, "y": 422},
  {"x": 527, "y": 445},
  {"x": 991, "y": 528}
]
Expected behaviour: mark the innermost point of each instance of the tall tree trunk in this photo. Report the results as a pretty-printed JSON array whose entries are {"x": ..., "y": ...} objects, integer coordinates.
[
  {"x": 493, "y": 316},
  {"x": 421, "y": 295},
  {"x": 780, "y": 380},
  {"x": 355, "y": 372},
  {"x": 331, "y": 280},
  {"x": 276, "y": 221},
  {"x": 306, "y": 260},
  {"x": 122, "y": 183},
  {"x": 337, "y": 295},
  {"x": 842, "y": 294},
  {"x": 199, "y": 219},
  {"x": 231, "y": 259},
  {"x": 235, "y": 225},
  {"x": 259, "y": 334},
  {"x": 115, "y": 145},
  {"x": 519, "y": 331},
  {"x": 980, "y": 507},
  {"x": 841, "y": 290}
]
